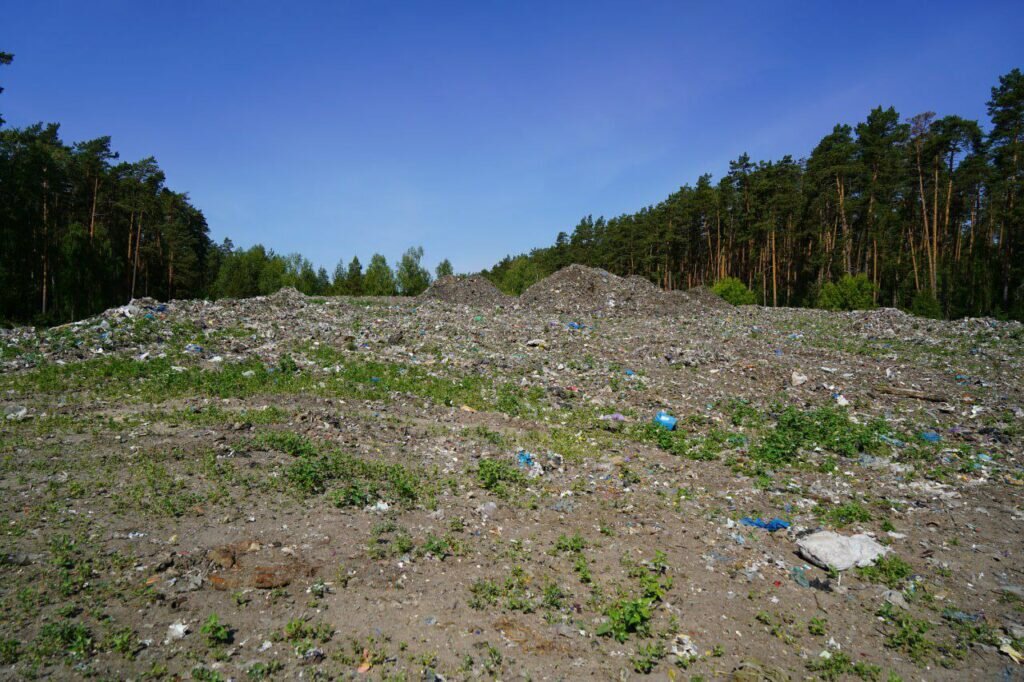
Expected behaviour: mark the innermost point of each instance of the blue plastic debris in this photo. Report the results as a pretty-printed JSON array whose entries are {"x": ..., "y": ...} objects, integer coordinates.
[
  {"x": 983, "y": 457},
  {"x": 525, "y": 459},
  {"x": 374, "y": 380},
  {"x": 193, "y": 348},
  {"x": 930, "y": 436},
  {"x": 961, "y": 616},
  {"x": 576, "y": 325},
  {"x": 665, "y": 420},
  {"x": 630, "y": 373},
  {"x": 770, "y": 526}
]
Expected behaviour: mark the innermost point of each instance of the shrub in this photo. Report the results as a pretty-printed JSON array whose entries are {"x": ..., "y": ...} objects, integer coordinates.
[
  {"x": 849, "y": 293},
  {"x": 734, "y": 291}
]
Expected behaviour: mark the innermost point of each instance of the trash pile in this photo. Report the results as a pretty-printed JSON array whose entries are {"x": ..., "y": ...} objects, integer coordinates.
[
  {"x": 579, "y": 288},
  {"x": 472, "y": 290}
]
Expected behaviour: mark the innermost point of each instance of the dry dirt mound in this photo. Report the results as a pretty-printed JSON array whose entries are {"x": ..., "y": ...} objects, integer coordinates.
[
  {"x": 578, "y": 288},
  {"x": 472, "y": 290}
]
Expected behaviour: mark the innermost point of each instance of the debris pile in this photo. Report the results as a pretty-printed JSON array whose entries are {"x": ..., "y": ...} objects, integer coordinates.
[
  {"x": 582, "y": 289},
  {"x": 473, "y": 290}
]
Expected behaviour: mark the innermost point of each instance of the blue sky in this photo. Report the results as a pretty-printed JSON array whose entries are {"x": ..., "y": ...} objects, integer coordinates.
[{"x": 478, "y": 128}]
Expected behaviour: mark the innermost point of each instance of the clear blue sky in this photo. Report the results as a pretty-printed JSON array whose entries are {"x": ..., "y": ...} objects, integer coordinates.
[{"x": 477, "y": 128}]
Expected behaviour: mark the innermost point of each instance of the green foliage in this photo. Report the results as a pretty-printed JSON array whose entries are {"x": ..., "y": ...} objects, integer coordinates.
[
  {"x": 826, "y": 427},
  {"x": 837, "y": 666},
  {"x": 572, "y": 545},
  {"x": 411, "y": 277},
  {"x": 849, "y": 293},
  {"x": 516, "y": 275},
  {"x": 291, "y": 443},
  {"x": 73, "y": 640},
  {"x": 907, "y": 634},
  {"x": 444, "y": 269},
  {"x": 925, "y": 304},
  {"x": 647, "y": 657},
  {"x": 889, "y": 570},
  {"x": 379, "y": 279},
  {"x": 264, "y": 671},
  {"x": 845, "y": 514},
  {"x": 216, "y": 633},
  {"x": 734, "y": 291},
  {"x": 493, "y": 474},
  {"x": 626, "y": 617},
  {"x": 362, "y": 481}
]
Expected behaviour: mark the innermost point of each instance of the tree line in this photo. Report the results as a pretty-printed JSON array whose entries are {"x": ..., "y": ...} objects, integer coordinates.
[
  {"x": 925, "y": 213},
  {"x": 83, "y": 231}
]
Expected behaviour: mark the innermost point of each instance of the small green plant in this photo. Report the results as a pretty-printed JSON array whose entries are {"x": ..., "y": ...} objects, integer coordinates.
[
  {"x": 838, "y": 665},
  {"x": 573, "y": 545},
  {"x": 70, "y": 639},
  {"x": 203, "y": 674},
  {"x": 10, "y": 651},
  {"x": 553, "y": 597},
  {"x": 216, "y": 633},
  {"x": 907, "y": 634},
  {"x": 845, "y": 514},
  {"x": 582, "y": 570},
  {"x": 485, "y": 593},
  {"x": 889, "y": 570},
  {"x": 493, "y": 474},
  {"x": 647, "y": 657},
  {"x": 625, "y": 617},
  {"x": 817, "y": 626},
  {"x": 264, "y": 671},
  {"x": 291, "y": 443},
  {"x": 298, "y": 629},
  {"x": 124, "y": 642}
]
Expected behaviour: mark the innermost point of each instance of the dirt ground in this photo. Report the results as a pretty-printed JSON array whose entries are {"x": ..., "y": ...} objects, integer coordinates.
[{"x": 405, "y": 489}]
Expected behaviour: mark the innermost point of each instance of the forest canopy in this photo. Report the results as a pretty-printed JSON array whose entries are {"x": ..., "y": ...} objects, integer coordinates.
[{"x": 925, "y": 213}]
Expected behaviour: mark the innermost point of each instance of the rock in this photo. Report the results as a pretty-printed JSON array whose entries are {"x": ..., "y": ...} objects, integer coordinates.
[
  {"x": 797, "y": 379},
  {"x": 828, "y": 549},
  {"x": 16, "y": 412},
  {"x": 895, "y": 597}
]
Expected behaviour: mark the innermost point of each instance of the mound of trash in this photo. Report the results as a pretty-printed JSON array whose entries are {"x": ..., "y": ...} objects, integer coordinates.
[
  {"x": 287, "y": 296},
  {"x": 475, "y": 290},
  {"x": 705, "y": 296},
  {"x": 579, "y": 288}
]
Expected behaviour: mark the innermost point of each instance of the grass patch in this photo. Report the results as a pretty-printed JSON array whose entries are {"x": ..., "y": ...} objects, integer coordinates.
[
  {"x": 826, "y": 427},
  {"x": 888, "y": 570}
]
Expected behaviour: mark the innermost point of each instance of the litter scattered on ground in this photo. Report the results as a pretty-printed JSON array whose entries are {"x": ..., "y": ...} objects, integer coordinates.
[
  {"x": 770, "y": 526},
  {"x": 285, "y": 462}
]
